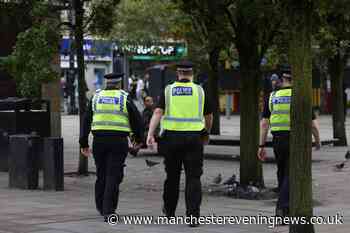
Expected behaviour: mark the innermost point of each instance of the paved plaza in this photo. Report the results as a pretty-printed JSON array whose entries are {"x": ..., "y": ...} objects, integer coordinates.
[{"x": 73, "y": 211}]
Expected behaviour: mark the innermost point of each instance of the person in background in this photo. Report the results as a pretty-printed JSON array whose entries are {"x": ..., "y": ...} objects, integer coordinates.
[
  {"x": 146, "y": 87},
  {"x": 130, "y": 81},
  {"x": 276, "y": 116},
  {"x": 139, "y": 89},
  {"x": 111, "y": 117},
  {"x": 147, "y": 112}
]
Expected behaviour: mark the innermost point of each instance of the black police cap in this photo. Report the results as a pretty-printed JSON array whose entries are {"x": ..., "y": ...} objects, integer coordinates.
[
  {"x": 114, "y": 77},
  {"x": 184, "y": 65}
]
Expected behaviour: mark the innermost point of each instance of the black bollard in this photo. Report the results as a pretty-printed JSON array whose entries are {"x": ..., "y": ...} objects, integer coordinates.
[
  {"x": 23, "y": 161},
  {"x": 52, "y": 160},
  {"x": 4, "y": 151}
]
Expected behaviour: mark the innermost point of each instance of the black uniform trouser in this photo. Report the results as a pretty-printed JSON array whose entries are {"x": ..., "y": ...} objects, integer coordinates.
[
  {"x": 281, "y": 150},
  {"x": 109, "y": 154},
  {"x": 186, "y": 150}
]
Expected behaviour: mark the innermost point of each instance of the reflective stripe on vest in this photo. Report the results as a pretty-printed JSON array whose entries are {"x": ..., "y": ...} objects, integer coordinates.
[
  {"x": 184, "y": 107},
  {"x": 279, "y": 104},
  {"x": 109, "y": 123},
  {"x": 110, "y": 111}
]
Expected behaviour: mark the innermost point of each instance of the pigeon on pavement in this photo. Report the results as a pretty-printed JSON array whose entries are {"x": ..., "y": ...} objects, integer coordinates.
[
  {"x": 151, "y": 163},
  {"x": 217, "y": 179},
  {"x": 231, "y": 180},
  {"x": 340, "y": 165},
  {"x": 347, "y": 155}
]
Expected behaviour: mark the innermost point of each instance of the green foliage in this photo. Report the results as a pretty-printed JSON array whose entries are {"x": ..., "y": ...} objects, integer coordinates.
[
  {"x": 333, "y": 34},
  {"x": 142, "y": 21},
  {"x": 102, "y": 17},
  {"x": 36, "y": 48}
]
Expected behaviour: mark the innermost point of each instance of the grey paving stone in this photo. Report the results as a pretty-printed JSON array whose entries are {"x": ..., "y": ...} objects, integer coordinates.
[
  {"x": 73, "y": 211},
  {"x": 53, "y": 231}
]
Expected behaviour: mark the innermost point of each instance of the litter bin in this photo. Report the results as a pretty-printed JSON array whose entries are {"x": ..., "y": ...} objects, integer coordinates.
[
  {"x": 22, "y": 116},
  {"x": 23, "y": 161}
]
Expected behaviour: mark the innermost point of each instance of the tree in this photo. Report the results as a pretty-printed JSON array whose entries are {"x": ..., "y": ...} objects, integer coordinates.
[
  {"x": 147, "y": 21},
  {"x": 251, "y": 26},
  {"x": 93, "y": 17},
  {"x": 196, "y": 22},
  {"x": 210, "y": 26},
  {"x": 300, "y": 14},
  {"x": 31, "y": 60},
  {"x": 97, "y": 21},
  {"x": 255, "y": 24},
  {"x": 334, "y": 40}
]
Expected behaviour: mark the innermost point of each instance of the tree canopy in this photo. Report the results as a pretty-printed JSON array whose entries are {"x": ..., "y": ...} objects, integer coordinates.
[
  {"x": 36, "y": 48},
  {"x": 143, "y": 21}
]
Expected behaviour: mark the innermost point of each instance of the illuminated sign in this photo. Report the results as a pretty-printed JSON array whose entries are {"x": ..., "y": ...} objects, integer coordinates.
[
  {"x": 101, "y": 50},
  {"x": 160, "y": 52}
]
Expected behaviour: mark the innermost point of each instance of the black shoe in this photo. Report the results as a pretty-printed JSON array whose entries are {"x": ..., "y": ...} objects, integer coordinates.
[
  {"x": 167, "y": 213},
  {"x": 194, "y": 225},
  {"x": 194, "y": 217}
]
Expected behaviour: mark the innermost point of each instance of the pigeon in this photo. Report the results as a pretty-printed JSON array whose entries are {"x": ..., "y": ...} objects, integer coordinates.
[
  {"x": 151, "y": 163},
  {"x": 231, "y": 180},
  {"x": 340, "y": 165},
  {"x": 217, "y": 179},
  {"x": 347, "y": 155}
]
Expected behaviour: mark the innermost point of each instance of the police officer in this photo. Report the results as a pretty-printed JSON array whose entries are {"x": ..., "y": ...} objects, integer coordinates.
[
  {"x": 111, "y": 116},
  {"x": 277, "y": 116},
  {"x": 186, "y": 118}
]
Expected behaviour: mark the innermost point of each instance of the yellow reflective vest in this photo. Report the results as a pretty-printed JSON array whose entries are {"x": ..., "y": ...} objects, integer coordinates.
[
  {"x": 110, "y": 111},
  {"x": 184, "y": 107},
  {"x": 279, "y": 104}
]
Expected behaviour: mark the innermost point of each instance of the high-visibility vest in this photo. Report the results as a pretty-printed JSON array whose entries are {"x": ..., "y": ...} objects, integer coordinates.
[
  {"x": 184, "y": 107},
  {"x": 110, "y": 111},
  {"x": 279, "y": 104}
]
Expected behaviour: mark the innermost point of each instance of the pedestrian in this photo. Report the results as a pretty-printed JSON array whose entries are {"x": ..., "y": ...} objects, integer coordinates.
[
  {"x": 111, "y": 116},
  {"x": 186, "y": 119},
  {"x": 147, "y": 112},
  {"x": 139, "y": 89},
  {"x": 277, "y": 116}
]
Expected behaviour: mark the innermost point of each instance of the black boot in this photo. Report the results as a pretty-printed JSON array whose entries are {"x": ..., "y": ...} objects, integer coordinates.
[{"x": 167, "y": 213}]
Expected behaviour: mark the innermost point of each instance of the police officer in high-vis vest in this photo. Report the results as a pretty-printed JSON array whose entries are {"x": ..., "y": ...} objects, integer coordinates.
[
  {"x": 111, "y": 117},
  {"x": 276, "y": 116},
  {"x": 186, "y": 119}
]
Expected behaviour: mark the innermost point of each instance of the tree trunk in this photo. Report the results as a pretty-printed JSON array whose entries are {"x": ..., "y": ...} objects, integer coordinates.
[
  {"x": 72, "y": 109},
  {"x": 214, "y": 88},
  {"x": 250, "y": 166},
  {"x": 79, "y": 41},
  {"x": 52, "y": 91},
  {"x": 336, "y": 69},
  {"x": 249, "y": 59},
  {"x": 301, "y": 107}
]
